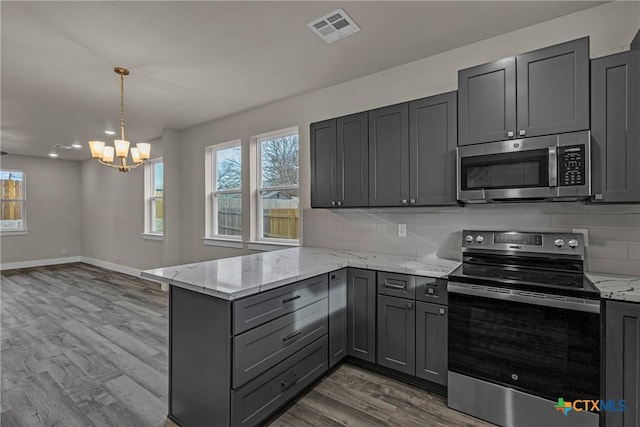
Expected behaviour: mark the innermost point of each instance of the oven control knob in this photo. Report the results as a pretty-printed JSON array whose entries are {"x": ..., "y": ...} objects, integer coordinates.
[
  {"x": 559, "y": 243},
  {"x": 573, "y": 243},
  {"x": 479, "y": 239},
  {"x": 469, "y": 238}
]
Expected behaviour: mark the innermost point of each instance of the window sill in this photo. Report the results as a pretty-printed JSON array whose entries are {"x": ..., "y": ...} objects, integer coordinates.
[
  {"x": 265, "y": 245},
  {"x": 14, "y": 232},
  {"x": 152, "y": 236},
  {"x": 222, "y": 242}
]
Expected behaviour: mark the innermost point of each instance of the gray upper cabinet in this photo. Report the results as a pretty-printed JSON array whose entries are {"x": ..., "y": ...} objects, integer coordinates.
[
  {"x": 553, "y": 89},
  {"x": 361, "y": 314},
  {"x": 340, "y": 162},
  {"x": 432, "y": 150},
  {"x": 389, "y": 156},
  {"x": 396, "y": 334},
  {"x": 487, "y": 102},
  {"x": 353, "y": 161},
  {"x": 622, "y": 362},
  {"x": 337, "y": 316},
  {"x": 615, "y": 127},
  {"x": 323, "y": 164},
  {"x": 538, "y": 93}
]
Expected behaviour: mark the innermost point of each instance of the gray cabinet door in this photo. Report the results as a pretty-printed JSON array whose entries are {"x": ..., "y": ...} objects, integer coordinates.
[
  {"x": 323, "y": 164},
  {"x": 487, "y": 102},
  {"x": 353, "y": 161},
  {"x": 432, "y": 150},
  {"x": 622, "y": 362},
  {"x": 397, "y": 333},
  {"x": 431, "y": 342},
  {"x": 337, "y": 316},
  {"x": 615, "y": 127},
  {"x": 553, "y": 89},
  {"x": 389, "y": 156},
  {"x": 361, "y": 314}
]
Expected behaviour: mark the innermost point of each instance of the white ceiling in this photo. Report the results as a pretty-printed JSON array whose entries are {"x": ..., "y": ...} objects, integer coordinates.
[{"x": 192, "y": 62}]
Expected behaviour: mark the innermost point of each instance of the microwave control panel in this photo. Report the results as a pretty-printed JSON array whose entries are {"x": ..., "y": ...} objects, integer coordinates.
[{"x": 571, "y": 165}]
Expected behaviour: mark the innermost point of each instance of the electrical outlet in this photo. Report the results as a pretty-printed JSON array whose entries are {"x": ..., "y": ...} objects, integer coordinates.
[
  {"x": 585, "y": 233},
  {"x": 402, "y": 230}
]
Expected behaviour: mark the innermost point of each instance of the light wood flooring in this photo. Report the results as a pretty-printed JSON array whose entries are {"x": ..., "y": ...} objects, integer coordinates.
[{"x": 83, "y": 346}]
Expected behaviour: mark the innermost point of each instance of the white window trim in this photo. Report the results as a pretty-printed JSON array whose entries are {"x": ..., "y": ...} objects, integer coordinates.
[
  {"x": 211, "y": 219},
  {"x": 149, "y": 199},
  {"x": 258, "y": 238},
  {"x": 24, "y": 230}
]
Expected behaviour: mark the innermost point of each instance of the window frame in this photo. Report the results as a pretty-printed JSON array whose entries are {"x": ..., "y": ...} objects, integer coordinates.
[
  {"x": 211, "y": 205},
  {"x": 23, "y": 206},
  {"x": 150, "y": 200},
  {"x": 260, "y": 190}
]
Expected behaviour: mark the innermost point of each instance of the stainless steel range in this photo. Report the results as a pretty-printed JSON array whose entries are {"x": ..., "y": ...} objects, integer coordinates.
[{"x": 524, "y": 329}]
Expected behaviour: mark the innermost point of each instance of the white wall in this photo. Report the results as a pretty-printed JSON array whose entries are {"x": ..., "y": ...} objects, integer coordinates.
[
  {"x": 53, "y": 214},
  {"x": 611, "y": 27},
  {"x": 113, "y": 216}
]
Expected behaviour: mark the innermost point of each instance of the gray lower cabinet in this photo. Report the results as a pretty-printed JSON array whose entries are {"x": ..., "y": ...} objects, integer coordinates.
[
  {"x": 542, "y": 92},
  {"x": 236, "y": 362},
  {"x": 431, "y": 342},
  {"x": 396, "y": 334},
  {"x": 622, "y": 362},
  {"x": 615, "y": 127},
  {"x": 337, "y": 316},
  {"x": 361, "y": 314}
]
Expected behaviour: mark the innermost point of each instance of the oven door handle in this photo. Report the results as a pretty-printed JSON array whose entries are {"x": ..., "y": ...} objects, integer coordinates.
[{"x": 567, "y": 303}]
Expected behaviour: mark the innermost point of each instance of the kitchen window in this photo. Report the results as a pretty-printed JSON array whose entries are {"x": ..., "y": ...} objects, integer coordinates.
[
  {"x": 277, "y": 219},
  {"x": 224, "y": 194},
  {"x": 12, "y": 204},
  {"x": 154, "y": 191}
]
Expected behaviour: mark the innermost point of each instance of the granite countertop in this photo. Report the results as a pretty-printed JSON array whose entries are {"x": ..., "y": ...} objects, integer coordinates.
[
  {"x": 237, "y": 277},
  {"x": 616, "y": 287}
]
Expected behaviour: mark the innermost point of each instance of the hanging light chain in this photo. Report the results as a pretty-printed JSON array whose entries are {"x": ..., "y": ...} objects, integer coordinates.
[{"x": 122, "y": 105}]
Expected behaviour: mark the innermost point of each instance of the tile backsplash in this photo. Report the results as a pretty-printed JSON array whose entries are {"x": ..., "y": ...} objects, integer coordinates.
[{"x": 613, "y": 231}]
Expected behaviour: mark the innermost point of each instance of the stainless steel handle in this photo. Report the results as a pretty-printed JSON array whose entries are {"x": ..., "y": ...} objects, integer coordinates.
[
  {"x": 333, "y": 203},
  {"x": 293, "y": 335},
  {"x": 412, "y": 201},
  {"x": 553, "y": 167},
  {"x": 523, "y": 132},
  {"x": 568, "y": 303},
  {"x": 394, "y": 286},
  {"x": 291, "y": 381},
  {"x": 286, "y": 300},
  {"x": 443, "y": 311},
  {"x": 410, "y": 305},
  {"x": 339, "y": 203},
  {"x": 510, "y": 134},
  {"x": 404, "y": 201}
]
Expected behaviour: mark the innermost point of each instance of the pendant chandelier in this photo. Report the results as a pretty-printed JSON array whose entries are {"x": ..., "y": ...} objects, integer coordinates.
[{"x": 105, "y": 154}]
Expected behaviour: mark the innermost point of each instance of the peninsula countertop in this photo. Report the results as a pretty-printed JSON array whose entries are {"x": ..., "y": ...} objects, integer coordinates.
[{"x": 237, "y": 277}]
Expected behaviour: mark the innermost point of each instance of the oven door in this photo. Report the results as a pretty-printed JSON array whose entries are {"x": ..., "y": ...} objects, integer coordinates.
[{"x": 546, "y": 351}]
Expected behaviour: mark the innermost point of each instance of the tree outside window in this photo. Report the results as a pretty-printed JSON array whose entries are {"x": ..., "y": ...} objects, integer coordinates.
[
  {"x": 278, "y": 192},
  {"x": 227, "y": 190}
]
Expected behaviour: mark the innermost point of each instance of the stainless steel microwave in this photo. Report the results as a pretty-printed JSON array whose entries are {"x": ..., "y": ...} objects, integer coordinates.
[{"x": 553, "y": 167}]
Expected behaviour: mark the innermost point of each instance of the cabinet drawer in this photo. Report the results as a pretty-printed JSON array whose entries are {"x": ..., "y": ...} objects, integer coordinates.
[
  {"x": 397, "y": 285},
  {"x": 259, "y": 398},
  {"x": 432, "y": 290},
  {"x": 259, "y": 309},
  {"x": 261, "y": 348}
]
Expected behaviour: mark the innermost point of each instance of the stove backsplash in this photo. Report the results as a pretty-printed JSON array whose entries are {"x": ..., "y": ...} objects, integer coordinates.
[{"x": 613, "y": 230}]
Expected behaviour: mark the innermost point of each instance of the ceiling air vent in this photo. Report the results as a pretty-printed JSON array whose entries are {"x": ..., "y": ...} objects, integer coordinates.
[
  {"x": 62, "y": 146},
  {"x": 334, "y": 26}
]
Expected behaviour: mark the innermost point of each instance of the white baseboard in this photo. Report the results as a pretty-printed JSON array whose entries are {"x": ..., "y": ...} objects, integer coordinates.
[
  {"x": 39, "y": 262},
  {"x": 98, "y": 263}
]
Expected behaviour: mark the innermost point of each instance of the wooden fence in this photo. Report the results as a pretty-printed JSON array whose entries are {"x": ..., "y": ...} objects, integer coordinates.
[
  {"x": 280, "y": 217},
  {"x": 11, "y": 189}
]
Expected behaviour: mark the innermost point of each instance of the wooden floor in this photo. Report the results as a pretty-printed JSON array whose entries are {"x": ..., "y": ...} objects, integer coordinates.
[{"x": 83, "y": 346}]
